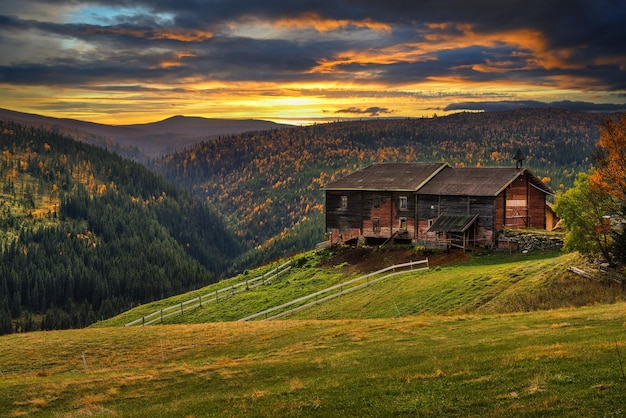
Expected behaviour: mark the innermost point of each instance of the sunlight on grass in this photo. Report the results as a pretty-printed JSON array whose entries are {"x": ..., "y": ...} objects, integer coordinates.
[
  {"x": 492, "y": 283},
  {"x": 425, "y": 343},
  {"x": 556, "y": 362}
]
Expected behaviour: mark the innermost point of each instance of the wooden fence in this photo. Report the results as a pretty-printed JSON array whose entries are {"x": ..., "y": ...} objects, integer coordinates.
[
  {"x": 336, "y": 290},
  {"x": 323, "y": 245},
  {"x": 220, "y": 294}
]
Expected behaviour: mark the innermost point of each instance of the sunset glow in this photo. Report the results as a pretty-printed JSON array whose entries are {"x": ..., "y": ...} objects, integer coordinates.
[{"x": 306, "y": 62}]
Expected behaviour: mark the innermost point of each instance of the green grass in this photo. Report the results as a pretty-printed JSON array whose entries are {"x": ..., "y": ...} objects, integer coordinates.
[
  {"x": 451, "y": 341},
  {"x": 492, "y": 283},
  {"x": 546, "y": 363},
  {"x": 487, "y": 283},
  {"x": 305, "y": 277}
]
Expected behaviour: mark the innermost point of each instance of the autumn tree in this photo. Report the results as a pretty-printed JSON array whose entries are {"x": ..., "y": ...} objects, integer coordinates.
[
  {"x": 593, "y": 210},
  {"x": 610, "y": 159},
  {"x": 610, "y": 177},
  {"x": 584, "y": 210}
]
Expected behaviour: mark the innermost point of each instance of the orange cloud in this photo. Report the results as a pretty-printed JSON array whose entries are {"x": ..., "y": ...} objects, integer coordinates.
[
  {"x": 177, "y": 61},
  {"x": 313, "y": 20},
  {"x": 193, "y": 36},
  {"x": 531, "y": 44},
  {"x": 530, "y": 40}
]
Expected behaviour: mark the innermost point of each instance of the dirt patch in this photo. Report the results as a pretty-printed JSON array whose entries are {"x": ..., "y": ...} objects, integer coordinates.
[{"x": 368, "y": 259}]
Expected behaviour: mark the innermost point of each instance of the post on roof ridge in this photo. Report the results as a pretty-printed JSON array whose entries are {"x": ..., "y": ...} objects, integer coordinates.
[{"x": 519, "y": 158}]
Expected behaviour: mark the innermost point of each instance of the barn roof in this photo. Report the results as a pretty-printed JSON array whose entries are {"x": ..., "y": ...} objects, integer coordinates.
[
  {"x": 389, "y": 177},
  {"x": 453, "y": 223},
  {"x": 477, "y": 181}
]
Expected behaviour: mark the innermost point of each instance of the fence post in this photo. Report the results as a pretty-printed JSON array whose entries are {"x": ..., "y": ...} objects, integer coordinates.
[
  {"x": 143, "y": 321},
  {"x": 161, "y": 315},
  {"x": 181, "y": 308},
  {"x": 217, "y": 298},
  {"x": 200, "y": 300}
]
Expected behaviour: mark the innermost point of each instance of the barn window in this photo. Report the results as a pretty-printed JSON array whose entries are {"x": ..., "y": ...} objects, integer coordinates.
[
  {"x": 344, "y": 202},
  {"x": 376, "y": 224},
  {"x": 402, "y": 223},
  {"x": 403, "y": 203},
  {"x": 430, "y": 222},
  {"x": 377, "y": 202}
]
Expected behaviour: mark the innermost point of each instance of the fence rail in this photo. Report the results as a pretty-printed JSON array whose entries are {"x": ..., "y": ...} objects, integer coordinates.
[
  {"x": 216, "y": 296},
  {"x": 323, "y": 245},
  {"x": 343, "y": 288}
]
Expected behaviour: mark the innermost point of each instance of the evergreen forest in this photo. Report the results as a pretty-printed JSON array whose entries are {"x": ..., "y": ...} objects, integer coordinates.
[{"x": 87, "y": 234}]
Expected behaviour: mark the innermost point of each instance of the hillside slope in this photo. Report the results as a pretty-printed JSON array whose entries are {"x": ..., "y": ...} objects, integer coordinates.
[
  {"x": 87, "y": 234},
  {"x": 457, "y": 283},
  {"x": 563, "y": 363},
  {"x": 268, "y": 182}
]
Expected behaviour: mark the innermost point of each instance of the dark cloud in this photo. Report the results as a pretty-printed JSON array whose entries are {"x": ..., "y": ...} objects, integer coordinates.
[
  {"x": 521, "y": 104},
  {"x": 574, "y": 45},
  {"x": 566, "y": 23},
  {"x": 372, "y": 111}
]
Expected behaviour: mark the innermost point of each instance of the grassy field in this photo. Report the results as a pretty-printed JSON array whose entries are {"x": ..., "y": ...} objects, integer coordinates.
[
  {"x": 566, "y": 362},
  {"x": 488, "y": 283},
  {"x": 491, "y": 335}
]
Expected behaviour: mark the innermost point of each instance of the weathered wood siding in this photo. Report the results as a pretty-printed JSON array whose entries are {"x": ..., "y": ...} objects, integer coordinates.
[
  {"x": 525, "y": 204},
  {"x": 536, "y": 208},
  {"x": 370, "y": 214},
  {"x": 343, "y": 223},
  {"x": 551, "y": 219},
  {"x": 378, "y": 214},
  {"x": 430, "y": 207},
  {"x": 377, "y": 206},
  {"x": 500, "y": 211},
  {"x": 517, "y": 203},
  {"x": 403, "y": 219}
]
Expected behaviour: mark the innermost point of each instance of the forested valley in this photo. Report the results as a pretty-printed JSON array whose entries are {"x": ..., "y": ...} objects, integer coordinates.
[
  {"x": 268, "y": 184},
  {"x": 87, "y": 234}
]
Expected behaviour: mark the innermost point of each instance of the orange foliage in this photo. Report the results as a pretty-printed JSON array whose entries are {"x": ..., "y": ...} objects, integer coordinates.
[
  {"x": 275, "y": 177},
  {"x": 611, "y": 163}
]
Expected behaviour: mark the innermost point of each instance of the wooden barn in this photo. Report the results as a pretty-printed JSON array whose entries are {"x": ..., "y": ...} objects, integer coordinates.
[{"x": 434, "y": 203}]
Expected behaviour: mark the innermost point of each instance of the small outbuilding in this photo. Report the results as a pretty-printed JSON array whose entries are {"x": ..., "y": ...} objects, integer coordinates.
[{"x": 434, "y": 203}]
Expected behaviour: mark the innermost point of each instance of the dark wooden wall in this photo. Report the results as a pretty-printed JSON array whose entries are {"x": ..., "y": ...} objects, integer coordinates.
[
  {"x": 343, "y": 223},
  {"x": 525, "y": 204},
  {"x": 366, "y": 206},
  {"x": 431, "y": 206},
  {"x": 537, "y": 208},
  {"x": 519, "y": 205}
]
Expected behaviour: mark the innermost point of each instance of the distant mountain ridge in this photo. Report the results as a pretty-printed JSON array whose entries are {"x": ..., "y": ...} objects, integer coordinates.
[{"x": 146, "y": 140}]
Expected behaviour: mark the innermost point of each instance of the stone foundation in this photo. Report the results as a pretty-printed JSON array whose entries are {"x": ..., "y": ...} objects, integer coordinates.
[{"x": 509, "y": 240}]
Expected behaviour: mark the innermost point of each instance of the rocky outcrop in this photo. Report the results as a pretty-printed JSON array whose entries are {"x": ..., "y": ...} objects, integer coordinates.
[{"x": 528, "y": 241}]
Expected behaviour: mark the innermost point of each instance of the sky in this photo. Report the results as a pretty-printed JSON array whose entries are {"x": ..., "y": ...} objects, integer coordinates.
[{"x": 301, "y": 61}]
